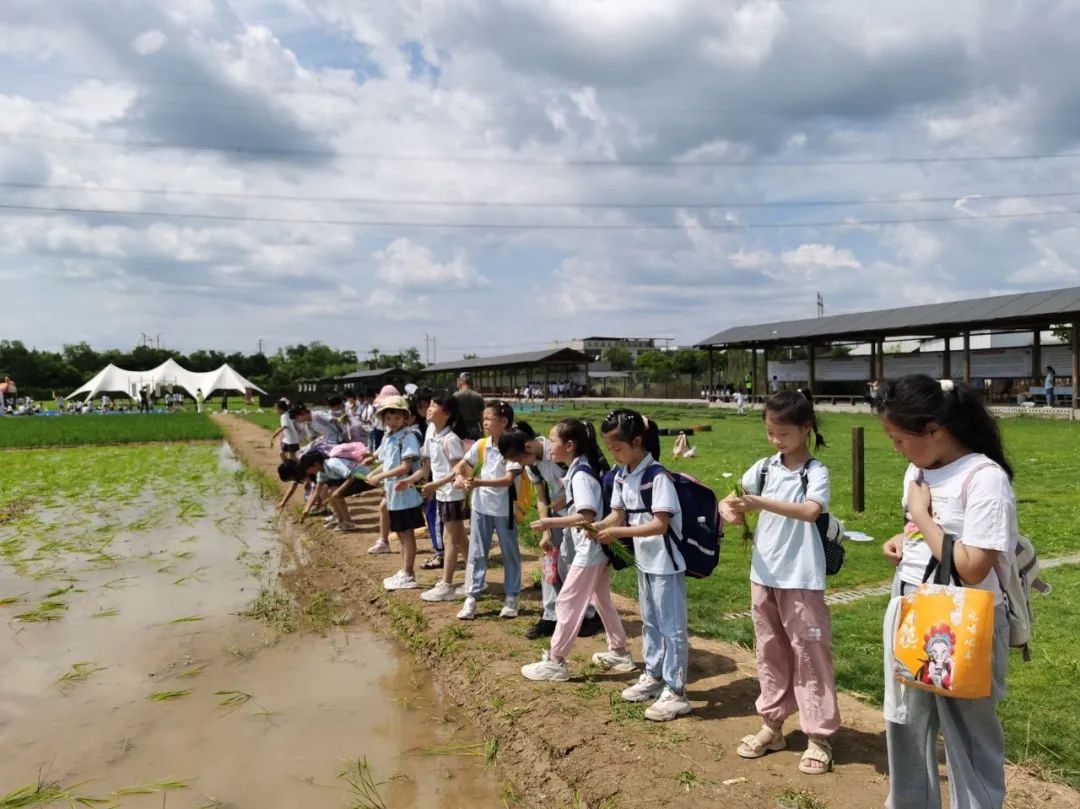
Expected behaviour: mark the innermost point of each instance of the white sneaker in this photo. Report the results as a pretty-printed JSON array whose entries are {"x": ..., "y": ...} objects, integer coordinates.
[
  {"x": 669, "y": 706},
  {"x": 345, "y": 526},
  {"x": 330, "y": 521},
  {"x": 613, "y": 661},
  {"x": 440, "y": 592},
  {"x": 382, "y": 546},
  {"x": 510, "y": 608},
  {"x": 647, "y": 687},
  {"x": 400, "y": 581},
  {"x": 468, "y": 609},
  {"x": 546, "y": 669},
  {"x": 463, "y": 590}
]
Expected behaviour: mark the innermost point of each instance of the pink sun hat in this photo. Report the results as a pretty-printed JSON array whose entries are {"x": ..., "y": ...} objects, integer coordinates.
[{"x": 386, "y": 392}]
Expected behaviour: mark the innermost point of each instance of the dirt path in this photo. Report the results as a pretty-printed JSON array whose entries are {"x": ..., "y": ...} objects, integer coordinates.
[{"x": 576, "y": 744}]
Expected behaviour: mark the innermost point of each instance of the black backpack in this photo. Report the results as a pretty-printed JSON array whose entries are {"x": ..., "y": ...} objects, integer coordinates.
[{"x": 829, "y": 529}]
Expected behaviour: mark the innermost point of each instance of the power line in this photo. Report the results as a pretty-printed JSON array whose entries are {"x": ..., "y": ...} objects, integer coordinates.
[
  {"x": 281, "y": 220},
  {"x": 526, "y": 161},
  {"x": 459, "y": 203}
]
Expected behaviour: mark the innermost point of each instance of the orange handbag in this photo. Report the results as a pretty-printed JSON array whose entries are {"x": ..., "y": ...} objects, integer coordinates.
[{"x": 945, "y": 638}]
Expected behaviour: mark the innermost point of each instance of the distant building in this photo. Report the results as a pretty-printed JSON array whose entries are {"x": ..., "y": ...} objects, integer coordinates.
[{"x": 594, "y": 347}]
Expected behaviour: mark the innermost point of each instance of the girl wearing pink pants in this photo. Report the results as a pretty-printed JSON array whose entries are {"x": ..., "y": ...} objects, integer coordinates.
[
  {"x": 792, "y": 626},
  {"x": 589, "y": 578}
]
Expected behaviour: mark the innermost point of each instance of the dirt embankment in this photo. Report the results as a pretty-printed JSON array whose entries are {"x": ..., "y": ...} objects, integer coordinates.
[{"x": 576, "y": 744}]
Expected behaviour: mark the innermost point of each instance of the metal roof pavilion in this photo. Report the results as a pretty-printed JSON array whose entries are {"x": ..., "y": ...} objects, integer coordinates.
[
  {"x": 527, "y": 358},
  {"x": 1025, "y": 310}
]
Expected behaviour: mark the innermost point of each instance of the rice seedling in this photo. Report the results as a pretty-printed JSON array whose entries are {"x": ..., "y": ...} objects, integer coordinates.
[
  {"x": 109, "y": 613},
  {"x": 79, "y": 673},
  {"x": 440, "y": 750},
  {"x": 166, "y": 696},
  {"x": 45, "y": 793},
  {"x": 119, "y": 583},
  {"x": 194, "y": 671},
  {"x": 8, "y": 601},
  {"x": 197, "y": 575},
  {"x": 59, "y": 591},
  {"x": 274, "y": 608},
  {"x": 491, "y": 750},
  {"x": 151, "y": 788},
  {"x": 789, "y": 798},
  {"x": 184, "y": 555},
  {"x": 362, "y": 786},
  {"x": 45, "y": 611},
  {"x": 187, "y": 619},
  {"x": 233, "y": 699}
]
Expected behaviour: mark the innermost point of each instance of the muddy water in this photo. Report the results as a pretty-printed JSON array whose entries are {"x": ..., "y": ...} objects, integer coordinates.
[{"x": 303, "y": 706}]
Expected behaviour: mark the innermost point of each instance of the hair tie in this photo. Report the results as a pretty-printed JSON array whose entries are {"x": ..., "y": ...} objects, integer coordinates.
[{"x": 947, "y": 385}]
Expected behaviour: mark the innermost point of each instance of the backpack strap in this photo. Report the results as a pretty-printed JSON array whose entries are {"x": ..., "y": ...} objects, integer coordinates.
[
  {"x": 587, "y": 468},
  {"x": 648, "y": 476},
  {"x": 965, "y": 489}
]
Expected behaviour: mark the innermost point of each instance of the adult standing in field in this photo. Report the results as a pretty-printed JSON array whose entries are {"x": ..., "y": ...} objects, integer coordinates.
[
  {"x": 1048, "y": 384},
  {"x": 470, "y": 406},
  {"x": 957, "y": 463},
  {"x": 224, "y": 401},
  {"x": 774, "y": 385},
  {"x": 199, "y": 399},
  {"x": 7, "y": 392},
  {"x": 748, "y": 386}
]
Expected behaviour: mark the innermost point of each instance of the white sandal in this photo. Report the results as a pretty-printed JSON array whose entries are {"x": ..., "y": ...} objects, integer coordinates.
[
  {"x": 819, "y": 751},
  {"x": 755, "y": 747}
]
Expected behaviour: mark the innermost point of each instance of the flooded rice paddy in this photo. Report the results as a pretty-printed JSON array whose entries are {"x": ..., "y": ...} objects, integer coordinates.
[{"x": 129, "y": 671}]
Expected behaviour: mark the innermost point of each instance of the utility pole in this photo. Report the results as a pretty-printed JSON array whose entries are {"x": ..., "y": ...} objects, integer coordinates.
[
  {"x": 820, "y": 305},
  {"x": 260, "y": 345}
]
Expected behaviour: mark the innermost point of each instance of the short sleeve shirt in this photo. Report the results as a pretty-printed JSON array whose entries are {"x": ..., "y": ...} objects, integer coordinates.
[
  {"x": 787, "y": 552},
  {"x": 988, "y": 521},
  {"x": 490, "y": 500},
  {"x": 443, "y": 449},
  {"x": 651, "y": 552},
  {"x": 395, "y": 449},
  {"x": 585, "y": 494},
  {"x": 546, "y": 472},
  {"x": 288, "y": 430},
  {"x": 325, "y": 425}
]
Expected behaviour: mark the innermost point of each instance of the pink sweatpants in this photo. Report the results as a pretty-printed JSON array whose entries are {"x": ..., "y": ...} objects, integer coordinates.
[
  {"x": 794, "y": 656},
  {"x": 584, "y": 584}
]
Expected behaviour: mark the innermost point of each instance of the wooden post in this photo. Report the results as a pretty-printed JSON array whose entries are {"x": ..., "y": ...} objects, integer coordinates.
[
  {"x": 709, "y": 392},
  {"x": 873, "y": 362},
  {"x": 967, "y": 357},
  {"x": 1075, "y": 364},
  {"x": 946, "y": 359},
  {"x": 1036, "y": 357},
  {"x": 810, "y": 370},
  {"x": 753, "y": 374},
  {"x": 881, "y": 362},
  {"x": 858, "y": 477}
]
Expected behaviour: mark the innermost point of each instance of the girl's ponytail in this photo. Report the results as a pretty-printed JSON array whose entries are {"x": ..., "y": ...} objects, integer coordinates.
[
  {"x": 650, "y": 439},
  {"x": 914, "y": 402}
]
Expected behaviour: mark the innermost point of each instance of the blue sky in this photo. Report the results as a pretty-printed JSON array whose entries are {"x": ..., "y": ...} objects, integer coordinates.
[{"x": 479, "y": 169}]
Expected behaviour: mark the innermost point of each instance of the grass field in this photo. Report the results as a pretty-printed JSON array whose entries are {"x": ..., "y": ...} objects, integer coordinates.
[
  {"x": 1042, "y": 714},
  {"x": 51, "y": 431}
]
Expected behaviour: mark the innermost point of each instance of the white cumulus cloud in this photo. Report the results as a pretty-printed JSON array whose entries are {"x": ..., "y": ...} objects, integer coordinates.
[
  {"x": 405, "y": 264},
  {"x": 149, "y": 42}
]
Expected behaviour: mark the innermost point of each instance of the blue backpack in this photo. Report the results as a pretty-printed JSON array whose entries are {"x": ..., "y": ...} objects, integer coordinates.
[{"x": 702, "y": 526}]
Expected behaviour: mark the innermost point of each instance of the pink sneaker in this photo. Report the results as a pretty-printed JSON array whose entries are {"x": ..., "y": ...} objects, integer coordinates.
[{"x": 382, "y": 546}]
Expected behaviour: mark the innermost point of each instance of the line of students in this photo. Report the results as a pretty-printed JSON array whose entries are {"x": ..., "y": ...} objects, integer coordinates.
[{"x": 942, "y": 429}]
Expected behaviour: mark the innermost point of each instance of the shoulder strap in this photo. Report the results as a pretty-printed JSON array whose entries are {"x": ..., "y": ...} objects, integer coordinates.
[
  {"x": 804, "y": 476},
  {"x": 647, "y": 478}
]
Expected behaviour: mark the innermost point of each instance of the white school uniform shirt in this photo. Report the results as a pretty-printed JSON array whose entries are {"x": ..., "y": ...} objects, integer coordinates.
[
  {"x": 787, "y": 552},
  {"x": 989, "y": 521},
  {"x": 546, "y": 471},
  {"x": 490, "y": 500},
  {"x": 443, "y": 449},
  {"x": 323, "y": 423},
  {"x": 289, "y": 435},
  {"x": 651, "y": 552},
  {"x": 585, "y": 495}
]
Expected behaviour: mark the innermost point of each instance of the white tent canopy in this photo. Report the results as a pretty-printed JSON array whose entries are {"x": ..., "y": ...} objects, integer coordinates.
[{"x": 167, "y": 375}]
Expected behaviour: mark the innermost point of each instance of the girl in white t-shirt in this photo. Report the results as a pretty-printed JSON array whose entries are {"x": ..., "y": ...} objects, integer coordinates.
[
  {"x": 290, "y": 438},
  {"x": 589, "y": 576},
  {"x": 792, "y": 625},
  {"x": 959, "y": 483},
  {"x": 490, "y": 478},
  {"x": 634, "y": 443},
  {"x": 522, "y": 445},
  {"x": 442, "y": 451}
]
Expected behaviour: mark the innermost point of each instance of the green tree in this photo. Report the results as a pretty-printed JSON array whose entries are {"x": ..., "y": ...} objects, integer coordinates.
[
  {"x": 657, "y": 365},
  {"x": 619, "y": 358}
]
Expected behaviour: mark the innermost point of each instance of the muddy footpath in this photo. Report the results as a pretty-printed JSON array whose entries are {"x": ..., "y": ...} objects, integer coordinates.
[{"x": 577, "y": 744}]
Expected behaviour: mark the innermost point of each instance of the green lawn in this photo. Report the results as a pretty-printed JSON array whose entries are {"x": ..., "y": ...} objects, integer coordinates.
[
  {"x": 270, "y": 419},
  {"x": 121, "y": 428}
]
